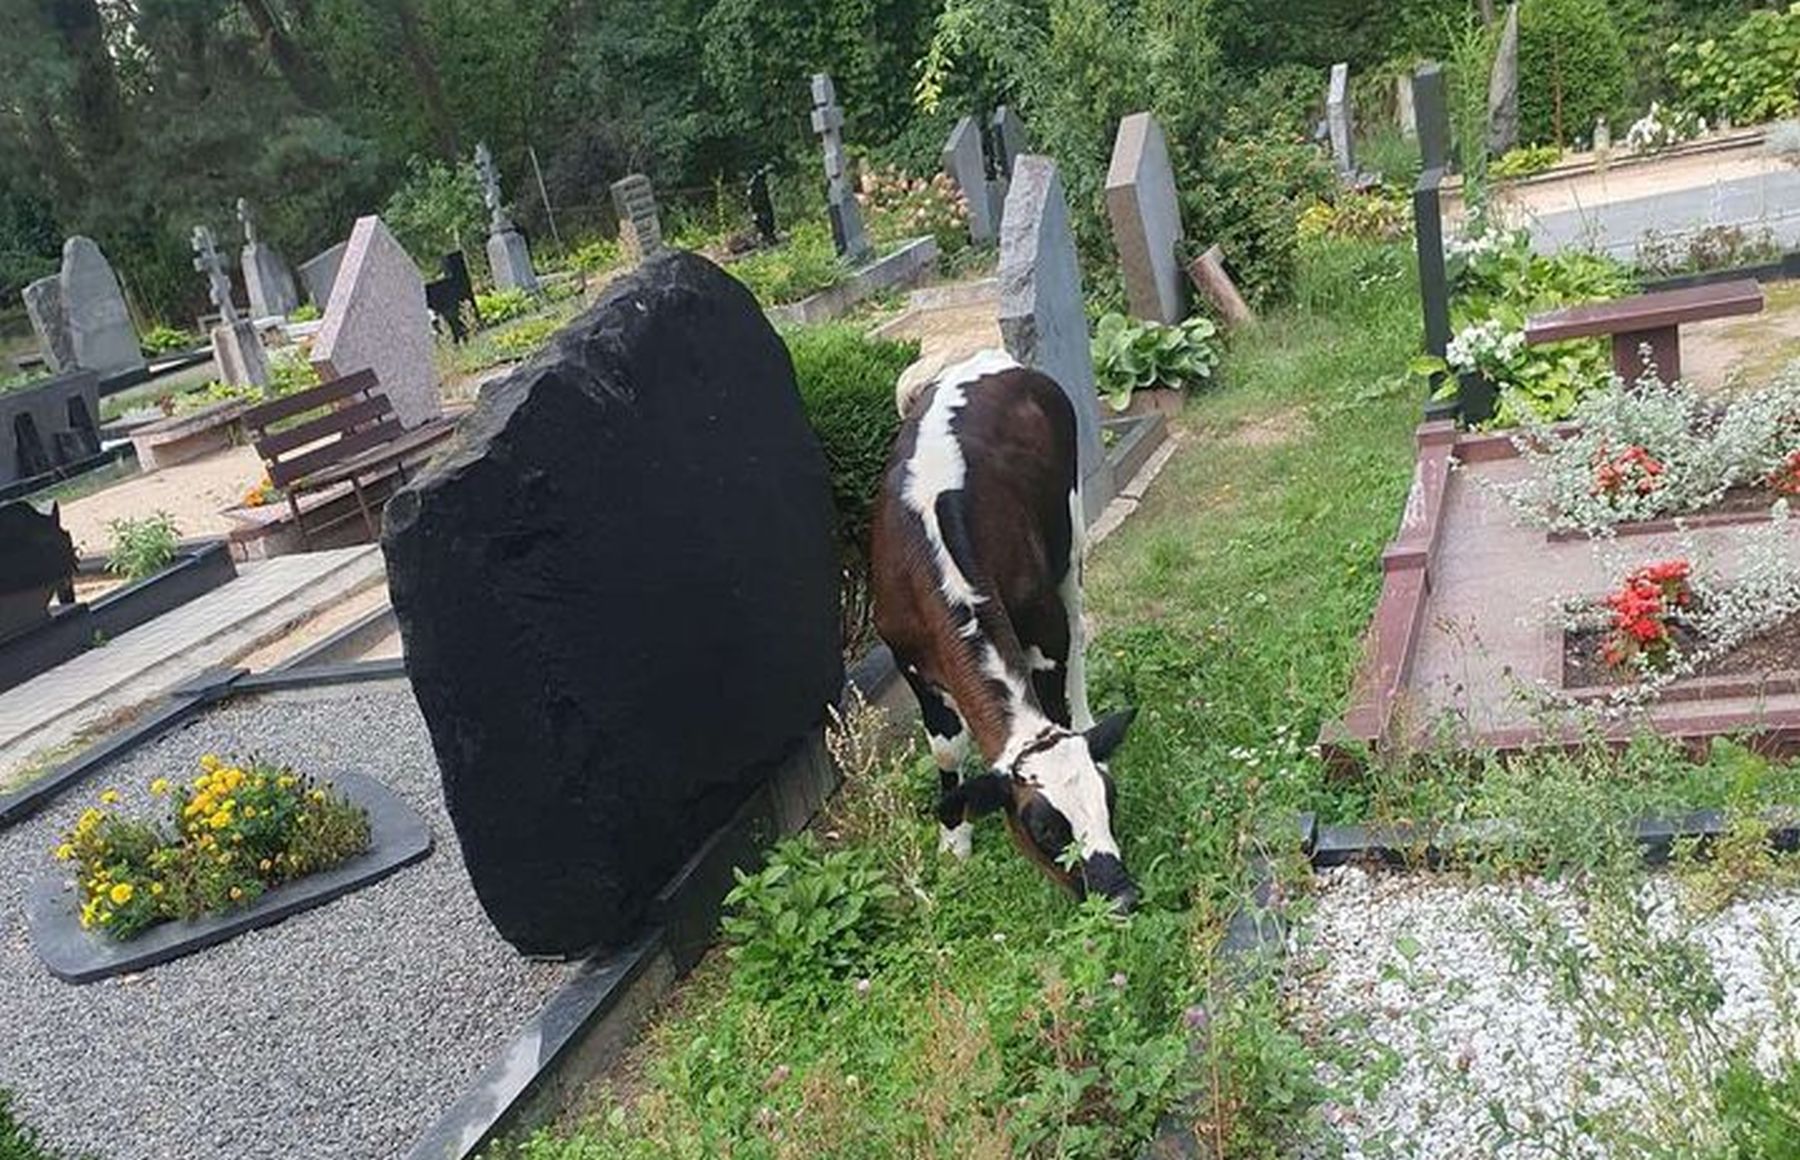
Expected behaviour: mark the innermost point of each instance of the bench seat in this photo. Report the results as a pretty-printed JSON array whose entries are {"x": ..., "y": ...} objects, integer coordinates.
[{"x": 1652, "y": 320}]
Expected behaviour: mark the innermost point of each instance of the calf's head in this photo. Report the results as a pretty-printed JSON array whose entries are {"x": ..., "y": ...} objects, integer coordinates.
[{"x": 1059, "y": 800}]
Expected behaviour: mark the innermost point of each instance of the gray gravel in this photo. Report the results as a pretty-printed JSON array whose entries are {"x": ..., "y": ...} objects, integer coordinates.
[
  {"x": 1423, "y": 1021},
  {"x": 342, "y": 1032}
]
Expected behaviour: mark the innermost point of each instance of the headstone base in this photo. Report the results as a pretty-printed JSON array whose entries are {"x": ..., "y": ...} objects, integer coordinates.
[
  {"x": 239, "y": 352},
  {"x": 510, "y": 261}
]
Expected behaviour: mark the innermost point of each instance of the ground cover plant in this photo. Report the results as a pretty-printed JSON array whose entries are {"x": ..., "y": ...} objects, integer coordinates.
[
  {"x": 143, "y": 547},
  {"x": 1136, "y": 354},
  {"x": 235, "y": 830}
]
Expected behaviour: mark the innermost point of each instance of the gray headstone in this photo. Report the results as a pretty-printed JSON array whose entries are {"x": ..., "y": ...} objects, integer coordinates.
[
  {"x": 509, "y": 260},
  {"x": 1043, "y": 314},
  {"x": 967, "y": 167},
  {"x": 319, "y": 272},
  {"x": 1146, "y": 219},
  {"x": 1009, "y": 139},
  {"x": 101, "y": 337},
  {"x": 239, "y": 353},
  {"x": 1340, "y": 120},
  {"x": 640, "y": 224},
  {"x": 1405, "y": 115},
  {"x": 377, "y": 319},
  {"x": 267, "y": 279},
  {"x": 43, "y": 304},
  {"x": 1432, "y": 107},
  {"x": 840, "y": 199},
  {"x": 1503, "y": 89}
]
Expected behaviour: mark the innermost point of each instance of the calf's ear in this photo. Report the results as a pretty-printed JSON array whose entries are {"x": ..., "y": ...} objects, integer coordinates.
[
  {"x": 1105, "y": 736},
  {"x": 975, "y": 797}
]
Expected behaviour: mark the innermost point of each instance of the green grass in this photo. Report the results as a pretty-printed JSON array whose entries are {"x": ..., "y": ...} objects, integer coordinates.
[
  {"x": 511, "y": 341},
  {"x": 993, "y": 1017},
  {"x": 17, "y": 1141}
]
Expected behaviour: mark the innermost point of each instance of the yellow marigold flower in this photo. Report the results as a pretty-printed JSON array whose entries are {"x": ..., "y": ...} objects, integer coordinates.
[
  {"x": 160, "y": 786},
  {"x": 317, "y": 795},
  {"x": 210, "y": 762},
  {"x": 121, "y": 893},
  {"x": 156, "y": 888},
  {"x": 285, "y": 781},
  {"x": 64, "y": 852},
  {"x": 264, "y": 865},
  {"x": 237, "y": 892},
  {"x": 219, "y": 820},
  {"x": 249, "y": 811},
  {"x": 108, "y": 797}
]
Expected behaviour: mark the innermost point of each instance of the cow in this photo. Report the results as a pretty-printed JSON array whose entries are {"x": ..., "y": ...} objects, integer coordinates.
[{"x": 976, "y": 571}]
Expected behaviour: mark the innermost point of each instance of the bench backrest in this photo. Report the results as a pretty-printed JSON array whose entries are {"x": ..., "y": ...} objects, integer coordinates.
[{"x": 360, "y": 418}]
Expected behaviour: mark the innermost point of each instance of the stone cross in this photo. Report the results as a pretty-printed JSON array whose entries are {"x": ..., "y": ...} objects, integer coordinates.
[
  {"x": 828, "y": 123},
  {"x": 249, "y": 219},
  {"x": 490, "y": 189},
  {"x": 208, "y": 261}
]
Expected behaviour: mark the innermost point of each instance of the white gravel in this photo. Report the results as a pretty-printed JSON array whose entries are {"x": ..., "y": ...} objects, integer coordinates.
[
  {"x": 341, "y": 1032},
  {"x": 1424, "y": 1020}
]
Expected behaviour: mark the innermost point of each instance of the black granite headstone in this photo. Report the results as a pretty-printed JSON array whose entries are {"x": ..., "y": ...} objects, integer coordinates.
[
  {"x": 1431, "y": 111},
  {"x": 37, "y": 558},
  {"x": 618, "y": 591}
]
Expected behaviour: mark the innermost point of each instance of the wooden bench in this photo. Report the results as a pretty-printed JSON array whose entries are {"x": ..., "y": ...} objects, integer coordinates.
[
  {"x": 1652, "y": 320},
  {"x": 359, "y": 441}
]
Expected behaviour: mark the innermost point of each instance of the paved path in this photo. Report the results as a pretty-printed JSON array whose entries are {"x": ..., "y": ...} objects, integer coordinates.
[
  {"x": 1768, "y": 200},
  {"x": 265, "y": 599}
]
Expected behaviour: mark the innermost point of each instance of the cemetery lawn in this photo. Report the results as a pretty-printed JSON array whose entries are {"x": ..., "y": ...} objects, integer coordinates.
[{"x": 979, "y": 1013}]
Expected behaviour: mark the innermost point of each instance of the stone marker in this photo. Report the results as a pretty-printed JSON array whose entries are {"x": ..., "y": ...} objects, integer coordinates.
[
  {"x": 1341, "y": 120},
  {"x": 618, "y": 592},
  {"x": 101, "y": 337},
  {"x": 377, "y": 319},
  {"x": 267, "y": 280},
  {"x": 640, "y": 224},
  {"x": 967, "y": 168},
  {"x": 47, "y": 424},
  {"x": 1009, "y": 139},
  {"x": 1406, "y": 115},
  {"x": 1432, "y": 107},
  {"x": 43, "y": 304},
  {"x": 1503, "y": 89},
  {"x": 1043, "y": 314},
  {"x": 840, "y": 200},
  {"x": 319, "y": 272},
  {"x": 509, "y": 258},
  {"x": 1146, "y": 220},
  {"x": 237, "y": 348},
  {"x": 1210, "y": 277},
  {"x": 39, "y": 560}
]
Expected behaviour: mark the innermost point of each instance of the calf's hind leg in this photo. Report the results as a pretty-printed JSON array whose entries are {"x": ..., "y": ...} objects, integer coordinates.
[{"x": 949, "y": 739}]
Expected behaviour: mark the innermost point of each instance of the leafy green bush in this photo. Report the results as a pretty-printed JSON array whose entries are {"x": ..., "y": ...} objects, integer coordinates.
[
  {"x": 804, "y": 264},
  {"x": 593, "y": 257},
  {"x": 500, "y": 306},
  {"x": 806, "y": 921},
  {"x": 1373, "y": 216},
  {"x": 305, "y": 312},
  {"x": 1131, "y": 355},
  {"x": 1749, "y": 76},
  {"x": 1572, "y": 69},
  {"x": 437, "y": 209},
  {"x": 1526, "y": 160},
  {"x": 160, "y": 339},
  {"x": 142, "y": 547},
  {"x": 1248, "y": 198},
  {"x": 846, "y": 382},
  {"x": 289, "y": 371},
  {"x": 525, "y": 339}
]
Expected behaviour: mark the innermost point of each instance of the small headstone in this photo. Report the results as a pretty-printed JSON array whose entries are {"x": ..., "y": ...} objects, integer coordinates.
[
  {"x": 762, "y": 206},
  {"x": 1432, "y": 107},
  {"x": 1043, "y": 313},
  {"x": 319, "y": 272},
  {"x": 1340, "y": 120},
  {"x": 965, "y": 165},
  {"x": 1503, "y": 89},
  {"x": 640, "y": 224},
  {"x": 840, "y": 200},
  {"x": 1213, "y": 280},
  {"x": 452, "y": 296},
  {"x": 39, "y": 561},
  {"x": 1405, "y": 115},
  {"x": 1009, "y": 139},
  {"x": 1146, "y": 219},
  {"x": 509, "y": 258},
  {"x": 618, "y": 591},
  {"x": 377, "y": 319},
  {"x": 237, "y": 348},
  {"x": 267, "y": 280},
  {"x": 101, "y": 337},
  {"x": 43, "y": 304}
]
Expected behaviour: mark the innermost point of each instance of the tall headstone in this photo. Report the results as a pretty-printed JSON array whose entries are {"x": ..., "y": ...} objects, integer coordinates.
[
  {"x": 1406, "y": 116},
  {"x": 967, "y": 167},
  {"x": 840, "y": 200},
  {"x": 640, "y": 224},
  {"x": 377, "y": 319},
  {"x": 1146, "y": 220},
  {"x": 1043, "y": 314},
  {"x": 237, "y": 348},
  {"x": 1341, "y": 120},
  {"x": 509, "y": 258},
  {"x": 1503, "y": 89},
  {"x": 1009, "y": 139},
  {"x": 101, "y": 337},
  {"x": 1431, "y": 104},
  {"x": 596, "y": 723},
  {"x": 319, "y": 272},
  {"x": 267, "y": 279},
  {"x": 43, "y": 304}
]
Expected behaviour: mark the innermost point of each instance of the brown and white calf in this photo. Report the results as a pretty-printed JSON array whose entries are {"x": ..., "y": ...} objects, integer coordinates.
[{"x": 977, "y": 552}]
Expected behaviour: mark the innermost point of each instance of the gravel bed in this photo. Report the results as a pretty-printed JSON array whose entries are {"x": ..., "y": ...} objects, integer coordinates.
[
  {"x": 341, "y": 1032},
  {"x": 1424, "y": 1020}
]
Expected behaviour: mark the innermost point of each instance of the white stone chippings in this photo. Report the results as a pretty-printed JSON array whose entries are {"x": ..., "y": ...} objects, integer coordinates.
[
  {"x": 339, "y": 1034},
  {"x": 1404, "y": 973}
]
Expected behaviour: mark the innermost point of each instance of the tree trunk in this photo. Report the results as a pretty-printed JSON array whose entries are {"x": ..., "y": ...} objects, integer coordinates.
[
  {"x": 289, "y": 60},
  {"x": 1487, "y": 13},
  {"x": 95, "y": 110},
  {"x": 424, "y": 69}
]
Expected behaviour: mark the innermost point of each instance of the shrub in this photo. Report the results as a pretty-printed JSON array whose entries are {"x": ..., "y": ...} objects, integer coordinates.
[
  {"x": 1715, "y": 247},
  {"x": 593, "y": 257},
  {"x": 846, "y": 382},
  {"x": 806, "y": 921},
  {"x": 1248, "y": 198},
  {"x": 503, "y": 305},
  {"x": 1373, "y": 216},
  {"x": 1572, "y": 69},
  {"x": 436, "y": 209},
  {"x": 305, "y": 312},
  {"x": 143, "y": 547},
  {"x": 804, "y": 264},
  {"x": 232, "y": 832},
  {"x": 1526, "y": 161},
  {"x": 159, "y": 339},
  {"x": 1750, "y": 75},
  {"x": 525, "y": 339},
  {"x": 1131, "y": 355},
  {"x": 1662, "y": 128},
  {"x": 900, "y": 206},
  {"x": 290, "y": 371}
]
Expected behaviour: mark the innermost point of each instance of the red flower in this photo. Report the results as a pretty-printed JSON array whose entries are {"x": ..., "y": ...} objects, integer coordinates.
[{"x": 1642, "y": 610}]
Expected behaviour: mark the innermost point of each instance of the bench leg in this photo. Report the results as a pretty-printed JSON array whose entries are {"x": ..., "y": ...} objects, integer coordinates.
[
  {"x": 1665, "y": 352},
  {"x": 362, "y": 505},
  {"x": 294, "y": 510}
]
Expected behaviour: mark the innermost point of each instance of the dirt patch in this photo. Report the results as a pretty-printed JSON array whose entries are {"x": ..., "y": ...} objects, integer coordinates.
[
  {"x": 955, "y": 332},
  {"x": 1271, "y": 430},
  {"x": 1775, "y": 651},
  {"x": 1728, "y": 354},
  {"x": 194, "y": 494}
]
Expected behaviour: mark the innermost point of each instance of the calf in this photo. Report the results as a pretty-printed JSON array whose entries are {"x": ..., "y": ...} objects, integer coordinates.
[{"x": 977, "y": 580}]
